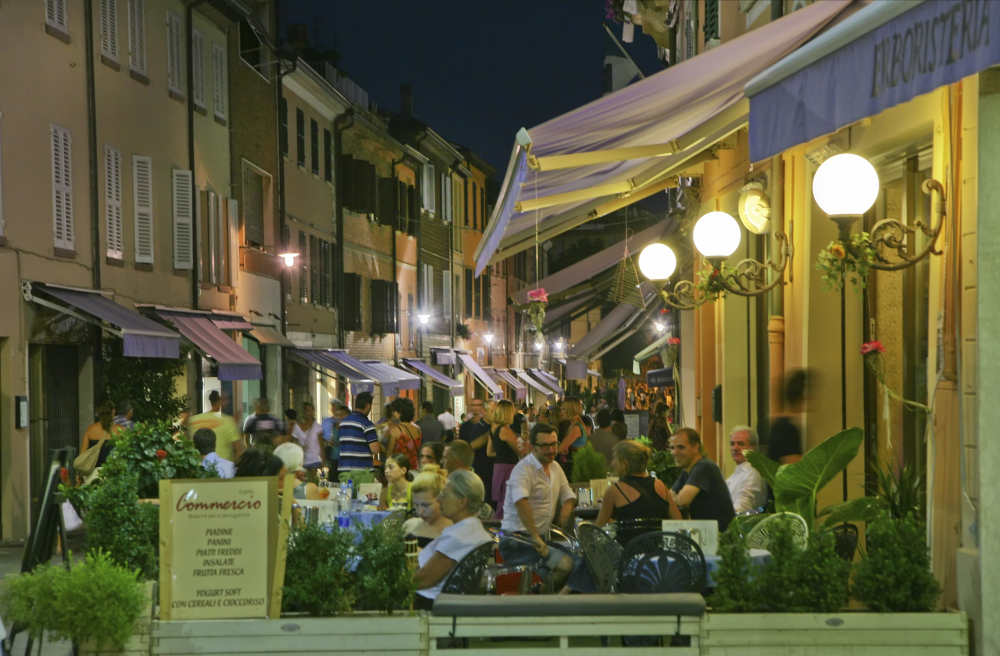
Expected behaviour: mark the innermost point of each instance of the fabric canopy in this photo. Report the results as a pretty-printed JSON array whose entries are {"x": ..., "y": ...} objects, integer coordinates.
[
  {"x": 620, "y": 317},
  {"x": 405, "y": 379},
  {"x": 630, "y": 328},
  {"x": 554, "y": 314},
  {"x": 637, "y": 136},
  {"x": 233, "y": 361},
  {"x": 550, "y": 380},
  {"x": 595, "y": 374},
  {"x": 443, "y": 355},
  {"x": 595, "y": 264},
  {"x": 481, "y": 375},
  {"x": 863, "y": 66},
  {"x": 271, "y": 337},
  {"x": 520, "y": 391},
  {"x": 359, "y": 383},
  {"x": 230, "y": 321},
  {"x": 453, "y": 386},
  {"x": 141, "y": 337},
  {"x": 523, "y": 375},
  {"x": 387, "y": 381}
]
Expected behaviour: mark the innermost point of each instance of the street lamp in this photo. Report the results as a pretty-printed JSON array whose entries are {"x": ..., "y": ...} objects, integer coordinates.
[
  {"x": 423, "y": 318},
  {"x": 657, "y": 261},
  {"x": 716, "y": 236},
  {"x": 289, "y": 258},
  {"x": 489, "y": 338},
  {"x": 659, "y": 327}
]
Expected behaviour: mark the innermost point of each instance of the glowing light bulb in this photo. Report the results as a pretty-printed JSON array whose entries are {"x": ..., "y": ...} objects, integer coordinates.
[
  {"x": 424, "y": 318},
  {"x": 845, "y": 185},
  {"x": 489, "y": 338},
  {"x": 657, "y": 262},
  {"x": 289, "y": 258},
  {"x": 659, "y": 327}
]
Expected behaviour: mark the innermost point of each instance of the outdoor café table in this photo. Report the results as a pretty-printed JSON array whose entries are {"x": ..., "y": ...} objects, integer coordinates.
[{"x": 588, "y": 513}]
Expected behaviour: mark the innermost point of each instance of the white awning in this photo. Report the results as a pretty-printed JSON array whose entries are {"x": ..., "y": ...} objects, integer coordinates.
[{"x": 614, "y": 323}]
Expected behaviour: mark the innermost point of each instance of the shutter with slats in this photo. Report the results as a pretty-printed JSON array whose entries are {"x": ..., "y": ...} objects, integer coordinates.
[
  {"x": 303, "y": 268},
  {"x": 137, "y": 36},
  {"x": 325, "y": 277},
  {"x": 314, "y": 146},
  {"x": 327, "y": 155},
  {"x": 109, "y": 29},
  {"x": 446, "y": 299},
  {"x": 212, "y": 229},
  {"x": 62, "y": 188},
  {"x": 387, "y": 203},
  {"x": 445, "y": 197},
  {"x": 413, "y": 197},
  {"x": 183, "y": 183},
  {"x": 346, "y": 188},
  {"x": 113, "y": 201},
  {"x": 220, "y": 81},
  {"x": 175, "y": 59},
  {"x": 198, "y": 68},
  {"x": 142, "y": 190},
  {"x": 55, "y": 13},
  {"x": 253, "y": 207},
  {"x": 353, "y": 306},
  {"x": 429, "y": 181},
  {"x": 315, "y": 264},
  {"x": 233, "y": 225},
  {"x": 378, "y": 307}
]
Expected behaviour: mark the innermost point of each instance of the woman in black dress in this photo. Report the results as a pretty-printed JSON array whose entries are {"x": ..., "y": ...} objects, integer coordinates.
[{"x": 636, "y": 495}]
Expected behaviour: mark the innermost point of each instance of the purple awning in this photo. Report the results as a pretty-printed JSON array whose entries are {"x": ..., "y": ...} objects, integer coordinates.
[
  {"x": 534, "y": 383},
  {"x": 443, "y": 355},
  {"x": 142, "y": 337},
  {"x": 520, "y": 391},
  {"x": 481, "y": 375},
  {"x": 404, "y": 379},
  {"x": 227, "y": 321},
  {"x": 232, "y": 359},
  {"x": 455, "y": 387},
  {"x": 388, "y": 383},
  {"x": 549, "y": 380},
  {"x": 359, "y": 383}
]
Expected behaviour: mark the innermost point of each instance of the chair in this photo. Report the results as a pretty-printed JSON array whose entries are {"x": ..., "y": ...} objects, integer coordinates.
[
  {"x": 760, "y": 535},
  {"x": 466, "y": 577},
  {"x": 845, "y": 540},
  {"x": 662, "y": 562},
  {"x": 602, "y": 553},
  {"x": 627, "y": 530},
  {"x": 394, "y": 522}
]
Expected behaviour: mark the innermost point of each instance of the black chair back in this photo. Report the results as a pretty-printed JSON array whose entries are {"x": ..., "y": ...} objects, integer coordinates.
[
  {"x": 602, "y": 553},
  {"x": 466, "y": 577},
  {"x": 662, "y": 562},
  {"x": 845, "y": 540}
]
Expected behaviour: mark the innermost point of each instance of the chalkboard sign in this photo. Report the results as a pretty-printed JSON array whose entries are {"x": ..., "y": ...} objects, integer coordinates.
[
  {"x": 632, "y": 422},
  {"x": 41, "y": 543}
]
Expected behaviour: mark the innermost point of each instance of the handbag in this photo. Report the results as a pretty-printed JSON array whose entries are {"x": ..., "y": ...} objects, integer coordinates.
[{"x": 86, "y": 462}]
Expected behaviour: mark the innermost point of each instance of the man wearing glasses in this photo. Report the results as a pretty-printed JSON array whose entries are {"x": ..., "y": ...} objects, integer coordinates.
[{"x": 538, "y": 494}]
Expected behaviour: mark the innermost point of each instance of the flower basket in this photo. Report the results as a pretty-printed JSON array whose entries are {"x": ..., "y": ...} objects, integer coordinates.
[
  {"x": 839, "y": 264},
  {"x": 537, "y": 301}
]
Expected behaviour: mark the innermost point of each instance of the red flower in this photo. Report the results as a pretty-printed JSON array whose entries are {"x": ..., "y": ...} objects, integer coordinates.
[
  {"x": 673, "y": 341},
  {"x": 161, "y": 454},
  {"x": 872, "y": 347},
  {"x": 64, "y": 475},
  {"x": 538, "y": 295}
]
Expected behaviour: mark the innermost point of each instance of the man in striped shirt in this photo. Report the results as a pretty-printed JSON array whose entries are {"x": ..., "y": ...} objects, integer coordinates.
[{"x": 359, "y": 444}]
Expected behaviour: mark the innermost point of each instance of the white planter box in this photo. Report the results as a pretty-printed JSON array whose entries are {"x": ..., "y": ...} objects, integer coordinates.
[
  {"x": 841, "y": 634},
  {"x": 360, "y": 634}
]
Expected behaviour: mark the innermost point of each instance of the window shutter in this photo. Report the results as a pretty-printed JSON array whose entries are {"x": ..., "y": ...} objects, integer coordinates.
[
  {"x": 315, "y": 262},
  {"x": 346, "y": 188},
  {"x": 300, "y": 137},
  {"x": 326, "y": 271},
  {"x": 361, "y": 193},
  {"x": 253, "y": 207},
  {"x": 175, "y": 59},
  {"x": 109, "y": 29},
  {"x": 183, "y": 182},
  {"x": 137, "y": 36},
  {"x": 470, "y": 284},
  {"x": 62, "y": 187},
  {"x": 55, "y": 14},
  {"x": 198, "y": 68},
  {"x": 233, "y": 223},
  {"x": 220, "y": 81},
  {"x": 446, "y": 300},
  {"x": 283, "y": 129},
  {"x": 327, "y": 155},
  {"x": 475, "y": 205},
  {"x": 1, "y": 180},
  {"x": 351, "y": 316},
  {"x": 387, "y": 210},
  {"x": 303, "y": 268},
  {"x": 429, "y": 181},
  {"x": 477, "y": 302},
  {"x": 378, "y": 307},
  {"x": 212, "y": 202},
  {"x": 413, "y": 197},
  {"x": 142, "y": 190},
  {"x": 314, "y": 143},
  {"x": 113, "y": 201}
]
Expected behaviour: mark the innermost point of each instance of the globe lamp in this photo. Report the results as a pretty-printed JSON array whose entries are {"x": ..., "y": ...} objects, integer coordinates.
[
  {"x": 657, "y": 262},
  {"x": 845, "y": 187},
  {"x": 716, "y": 235}
]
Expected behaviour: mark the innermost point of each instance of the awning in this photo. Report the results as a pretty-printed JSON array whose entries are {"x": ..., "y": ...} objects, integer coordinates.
[
  {"x": 534, "y": 383},
  {"x": 660, "y": 377},
  {"x": 270, "y": 336},
  {"x": 648, "y": 352},
  {"x": 626, "y": 145},
  {"x": 359, "y": 383},
  {"x": 141, "y": 337},
  {"x": 619, "y": 318},
  {"x": 404, "y": 379},
  {"x": 230, "y": 321},
  {"x": 481, "y": 375},
  {"x": 233, "y": 361},
  {"x": 385, "y": 380},
  {"x": 554, "y": 314},
  {"x": 595, "y": 374},
  {"x": 520, "y": 391},
  {"x": 630, "y": 328},
  {"x": 443, "y": 355},
  {"x": 549, "y": 380},
  {"x": 595, "y": 264},
  {"x": 884, "y": 55},
  {"x": 455, "y": 387}
]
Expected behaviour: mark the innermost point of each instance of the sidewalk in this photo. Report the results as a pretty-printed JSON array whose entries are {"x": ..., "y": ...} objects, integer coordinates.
[{"x": 10, "y": 563}]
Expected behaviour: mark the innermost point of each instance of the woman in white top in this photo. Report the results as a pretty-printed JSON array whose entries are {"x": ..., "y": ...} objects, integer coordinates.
[
  {"x": 309, "y": 435},
  {"x": 460, "y": 501}
]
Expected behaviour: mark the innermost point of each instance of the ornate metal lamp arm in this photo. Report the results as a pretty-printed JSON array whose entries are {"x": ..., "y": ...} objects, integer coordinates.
[
  {"x": 889, "y": 233},
  {"x": 683, "y": 296},
  {"x": 748, "y": 278}
]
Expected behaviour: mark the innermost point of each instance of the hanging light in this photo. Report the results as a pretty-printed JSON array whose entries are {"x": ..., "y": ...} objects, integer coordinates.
[
  {"x": 538, "y": 346},
  {"x": 716, "y": 235},
  {"x": 289, "y": 258},
  {"x": 489, "y": 338},
  {"x": 845, "y": 185},
  {"x": 659, "y": 327},
  {"x": 657, "y": 262},
  {"x": 559, "y": 345},
  {"x": 424, "y": 318}
]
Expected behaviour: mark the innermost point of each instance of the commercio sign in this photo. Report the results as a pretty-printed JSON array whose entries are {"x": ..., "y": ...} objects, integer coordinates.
[{"x": 936, "y": 43}]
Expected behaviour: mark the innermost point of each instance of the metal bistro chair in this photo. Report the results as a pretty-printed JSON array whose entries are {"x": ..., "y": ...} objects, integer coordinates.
[
  {"x": 760, "y": 535},
  {"x": 627, "y": 530},
  {"x": 394, "y": 522},
  {"x": 500, "y": 577},
  {"x": 662, "y": 562},
  {"x": 466, "y": 577},
  {"x": 602, "y": 553}
]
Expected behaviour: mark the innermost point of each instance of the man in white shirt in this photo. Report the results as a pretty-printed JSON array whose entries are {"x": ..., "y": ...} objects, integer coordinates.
[
  {"x": 204, "y": 441},
  {"x": 746, "y": 488},
  {"x": 538, "y": 494},
  {"x": 449, "y": 423}
]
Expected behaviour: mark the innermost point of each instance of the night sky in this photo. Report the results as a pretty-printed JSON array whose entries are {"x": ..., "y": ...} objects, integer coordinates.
[{"x": 479, "y": 70}]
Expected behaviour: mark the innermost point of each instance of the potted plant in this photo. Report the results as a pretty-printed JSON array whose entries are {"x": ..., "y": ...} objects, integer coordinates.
[{"x": 588, "y": 464}]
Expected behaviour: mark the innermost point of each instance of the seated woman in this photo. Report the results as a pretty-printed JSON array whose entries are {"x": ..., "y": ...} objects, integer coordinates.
[
  {"x": 396, "y": 493},
  {"x": 460, "y": 501},
  {"x": 257, "y": 462},
  {"x": 431, "y": 454},
  {"x": 429, "y": 522},
  {"x": 292, "y": 456},
  {"x": 636, "y": 495}
]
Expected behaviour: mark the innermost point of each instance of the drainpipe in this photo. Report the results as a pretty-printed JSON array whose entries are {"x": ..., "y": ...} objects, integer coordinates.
[
  {"x": 95, "y": 230},
  {"x": 343, "y": 122},
  {"x": 195, "y": 227},
  {"x": 395, "y": 262},
  {"x": 287, "y": 272},
  {"x": 776, "y": 319}
]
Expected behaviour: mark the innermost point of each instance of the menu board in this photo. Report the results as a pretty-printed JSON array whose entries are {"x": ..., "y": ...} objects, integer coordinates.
[{"x": 217, "y": 547}]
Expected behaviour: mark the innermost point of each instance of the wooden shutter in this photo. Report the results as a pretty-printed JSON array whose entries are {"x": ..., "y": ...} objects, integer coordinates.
[
  {"x": 300, "y": 137},
  {"x": 62, "y": 187},
  {"x": 303, "y": 268},
  {"x": 470, "y": 284},
  {"x": 175, "y": 58},
  {"x": 378, "y": 307},
  {"x": 220, "y": 81},
  {"x": 113, "y": 201},
  {"x": 137, "y": 36},
  {"x": 314, "y": 145},
  {"x": 109, "y": 29},
  {"x": 414, "y": 201},
  {"x": 475, "y": 205},
  {"x": 315, "y": 264},
  {"x": 428, "y": 192},
  {"x": 364, "y": 183},
  {"x": 211, "y": 229},
  {"x": 446, "y": 299},
  {"x": 198, "y": 68},
  {"x": 387, "y": 210},
  {"x": 142, "y": 191},
  {"x": 353, "y": 306},
  {"x": 253, "y": 207},
  {"x": 233, "y": 224},
  {"x": 327, "y": 155},
  {"x": 346, "y": 188},
  {"x": 55, "y": 14},
  {"x": 183, "y": 183},
  {"x": 326, "y": 273}
]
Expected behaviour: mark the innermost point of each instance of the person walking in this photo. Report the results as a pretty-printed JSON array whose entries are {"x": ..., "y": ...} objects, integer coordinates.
[
  {"x": 431, "y": 428},
  {"x": 309, "y": 435},
  {"x": 228, "y": 443},
  {"x": 260, "y": 428},
  {"x": 359, "y": 444}
]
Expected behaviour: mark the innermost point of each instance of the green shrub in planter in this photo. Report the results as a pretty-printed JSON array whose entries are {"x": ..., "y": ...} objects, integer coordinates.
[
  {"x": 384, "y": 582},
  {"x": 128, "y": 531},
  {"x": 588, "y": 464},
  {"x": 894, "y": 576},
  {"x": 810, "y": 580},
  {"x": 736, "y": 587},
  {"x": 149, "y": 452},
  {"x": 662, "y": 463},
  {"x": 28, "y": 603},
  {"x": 317, "y": 578}
]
